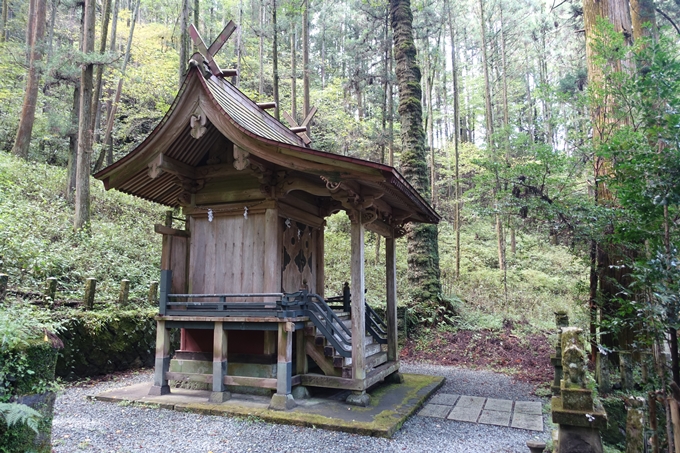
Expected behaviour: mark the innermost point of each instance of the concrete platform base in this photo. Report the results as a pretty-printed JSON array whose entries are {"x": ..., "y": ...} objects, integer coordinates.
[{"x": 391, "y": 405}]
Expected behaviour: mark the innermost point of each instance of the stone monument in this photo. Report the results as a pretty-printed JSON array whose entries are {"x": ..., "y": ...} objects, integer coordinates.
[{"x": 578, "y": 417}]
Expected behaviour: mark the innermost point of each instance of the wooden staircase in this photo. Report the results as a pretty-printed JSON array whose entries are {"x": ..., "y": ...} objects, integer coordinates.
[{"x": 330, "y": 361}]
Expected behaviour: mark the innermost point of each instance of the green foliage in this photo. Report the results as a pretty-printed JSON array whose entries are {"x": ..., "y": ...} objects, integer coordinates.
[
  {"x": 27, "y": 357},
  {"x": 37, "y": 240},
  {"x": 14, "y": 413},
  {"x": 644, "y": 151},
  {"x": 27, "y": 363}
]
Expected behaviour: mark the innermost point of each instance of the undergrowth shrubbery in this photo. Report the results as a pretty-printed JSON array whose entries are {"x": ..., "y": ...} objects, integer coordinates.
[
  {"x": 37, "y": 240},
  {"x": 541, "y": 278},
  {"x": 28, "y": 356}
]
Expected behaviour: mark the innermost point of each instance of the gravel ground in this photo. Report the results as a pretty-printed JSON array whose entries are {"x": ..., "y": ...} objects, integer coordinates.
[{"x": 93, "y": 426}]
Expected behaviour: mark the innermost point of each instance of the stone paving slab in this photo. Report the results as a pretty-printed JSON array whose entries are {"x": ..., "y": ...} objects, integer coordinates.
[
  {"x": 499, "y": 418},
  {"x": 471, "y": 401},
  {"x": 531, "y": 422},
  {"x": 529, "y": 407},
  {"x": 435, "y": 410},
  {"x": 490, "y": 411},
  {"x": 448, "y": 399},
  {"x": 498, "y": 405},
  {"x": 467, "y": 409}
]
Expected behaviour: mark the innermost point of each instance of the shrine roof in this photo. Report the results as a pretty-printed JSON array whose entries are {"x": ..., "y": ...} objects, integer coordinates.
[{"x": 225, "y": 116}]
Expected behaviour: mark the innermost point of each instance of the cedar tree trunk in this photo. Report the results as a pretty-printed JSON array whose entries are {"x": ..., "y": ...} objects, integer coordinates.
[
  {"x": 82, "y": 217},
  {"x": 423, "y": 252},
  {"x": 23, "y": 139}
]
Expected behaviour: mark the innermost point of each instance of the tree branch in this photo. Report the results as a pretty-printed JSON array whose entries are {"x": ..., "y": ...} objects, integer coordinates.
[{"x": 658, "y": 10}]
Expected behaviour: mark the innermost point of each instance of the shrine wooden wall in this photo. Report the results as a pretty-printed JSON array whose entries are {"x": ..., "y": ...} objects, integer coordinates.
[{"x": 227, "y": 255}]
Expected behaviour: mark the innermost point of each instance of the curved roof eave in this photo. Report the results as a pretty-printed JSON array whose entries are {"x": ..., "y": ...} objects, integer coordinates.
[{"x": 388, "y": 174}]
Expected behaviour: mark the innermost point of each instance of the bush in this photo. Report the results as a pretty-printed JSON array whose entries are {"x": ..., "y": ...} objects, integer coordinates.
[{"x": 28, "y": 355}]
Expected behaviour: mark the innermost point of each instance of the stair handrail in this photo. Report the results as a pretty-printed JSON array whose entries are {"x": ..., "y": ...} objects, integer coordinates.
[
  {"x": 375, "y": 326},
  {"x": 325, "y": 319}
]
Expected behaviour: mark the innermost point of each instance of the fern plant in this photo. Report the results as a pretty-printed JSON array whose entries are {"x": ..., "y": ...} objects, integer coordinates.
[{"x": 15, "y": 413}]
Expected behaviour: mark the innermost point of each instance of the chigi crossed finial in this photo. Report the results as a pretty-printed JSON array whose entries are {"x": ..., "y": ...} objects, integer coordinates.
[{"x": 209, "y": 52}]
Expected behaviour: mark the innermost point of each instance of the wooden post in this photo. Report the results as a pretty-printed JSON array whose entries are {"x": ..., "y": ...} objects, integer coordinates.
[
  {"x": 301, "y": 366},
  {"x": 346, "y": 298},
  {"x": 4, "y": 279},
  {"x": 153, "y": 293},
  {"x": 166, "y": 284},
  {"x": 320, "y": 263},
  {"x": 653, "y": 424},
  {"x": 124, "y": 292},
  {"x": 272, "y": 267},
  {"x": 219, "y": 393},
  {"x": 391, "y": 289},
  {"x": 160, "y": 380},
  {"x": 358, "y": 308},
  {"x": 283, "y": 398},
  {"x": 90, "y": 288},
  {"x": 166, "y": 248},
  {"x": 675, "y": 420},
  {"x": 51, "y": 289},
  {"x": 168, "y": 219}
]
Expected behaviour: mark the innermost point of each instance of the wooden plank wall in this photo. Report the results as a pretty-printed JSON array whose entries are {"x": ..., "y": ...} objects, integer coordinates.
[
  {"x": 178, "y": 265},
  {"x": 227, "y": 254}
]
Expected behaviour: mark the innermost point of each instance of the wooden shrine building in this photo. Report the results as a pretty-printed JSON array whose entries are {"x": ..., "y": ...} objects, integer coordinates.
[{"x": 244, "y": 278}]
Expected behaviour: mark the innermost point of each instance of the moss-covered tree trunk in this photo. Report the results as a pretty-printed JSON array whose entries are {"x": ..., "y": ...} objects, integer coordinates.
[{"x": 423, "y": 250}]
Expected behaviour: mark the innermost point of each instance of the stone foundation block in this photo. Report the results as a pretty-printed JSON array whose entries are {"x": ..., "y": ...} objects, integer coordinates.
[
  {"x": 362, "y": 399},
  {"x": 573, "y": 439},
  {"x": 219, "y": 397},
  {"x": 281, "y": 402}
]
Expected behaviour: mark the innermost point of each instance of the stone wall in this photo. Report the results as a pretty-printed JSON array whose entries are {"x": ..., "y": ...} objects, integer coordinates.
[{"x": 101, "y": 342}]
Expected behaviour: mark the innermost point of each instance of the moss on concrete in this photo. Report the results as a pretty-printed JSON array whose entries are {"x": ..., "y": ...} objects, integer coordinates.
[{"x": 397, "y": 401}]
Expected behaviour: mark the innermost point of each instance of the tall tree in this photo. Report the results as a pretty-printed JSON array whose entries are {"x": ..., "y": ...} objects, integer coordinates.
[
  {"x": 293, "y": 74},
  {"x": 490, "y": 142},
  {"x": 456, "y": 132},
  {"x": 607, "y": 274},
  {"x": 114, "y": 105},
  {"x": 85, "y": 133},
  {"x": 275, "y": 60},
  {"x": 183, "y": 41},
  {"x": 106, "y": 16},
  {"x": 3, "y": 21},
  {"x": 23, "y": 139},
  {"x": 305, "y": 62},
  {"x": 423, "y": 249}
]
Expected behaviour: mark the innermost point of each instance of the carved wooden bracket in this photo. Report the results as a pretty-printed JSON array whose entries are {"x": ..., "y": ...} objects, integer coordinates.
[
  {"x": 191, "y": 185},
  {"x": 197, "y": 122},
  {"x": 399, "y": 231},
  {"x": 241, "y": 161},
  {"x": 369, "y": 216}
]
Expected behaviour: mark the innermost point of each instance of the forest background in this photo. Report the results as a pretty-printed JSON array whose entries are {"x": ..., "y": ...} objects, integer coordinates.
[{"x": 517, "y": 155}]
